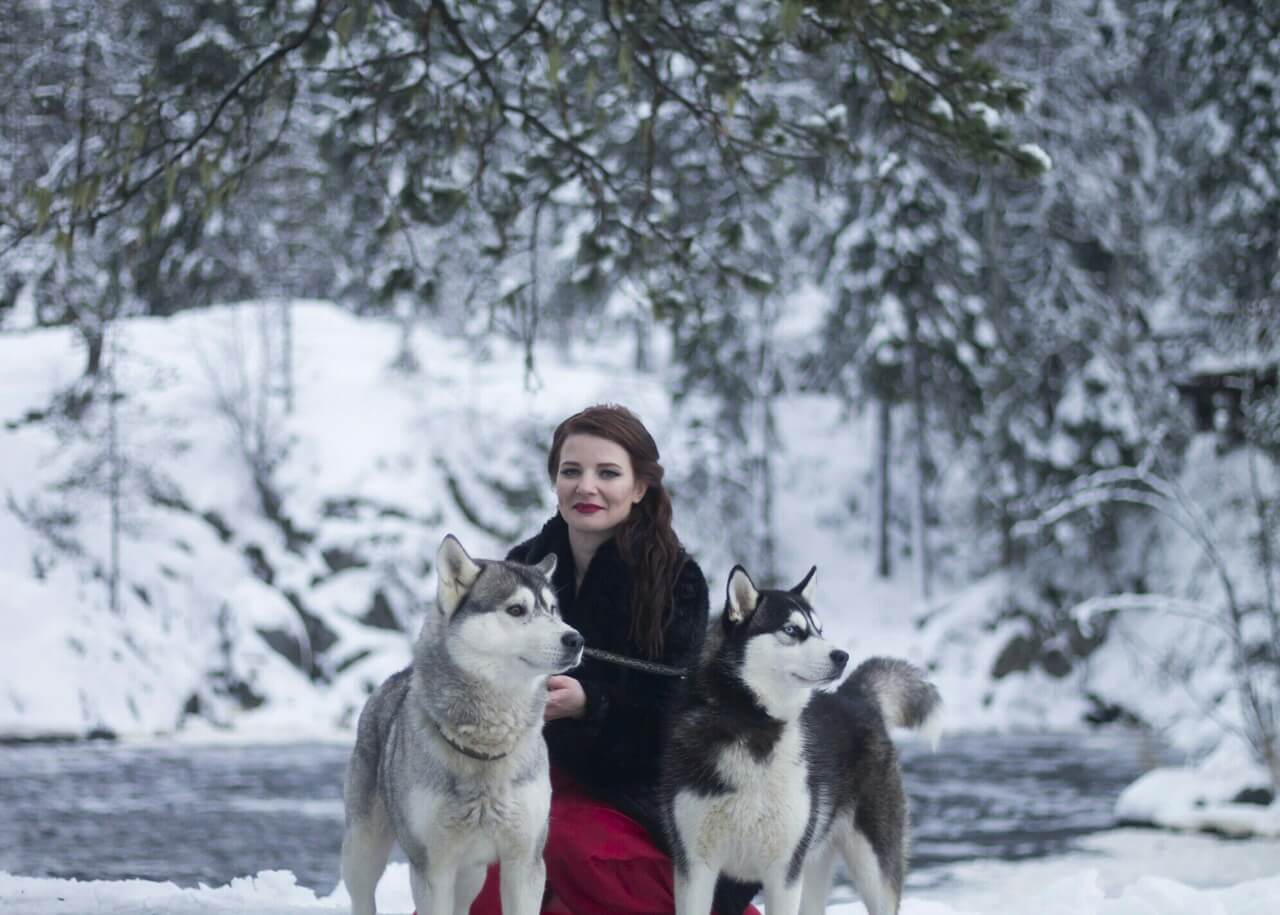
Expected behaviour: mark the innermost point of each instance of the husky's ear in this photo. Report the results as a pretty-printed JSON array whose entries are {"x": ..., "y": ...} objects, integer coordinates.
[
  {"x": 456, "y": 571},
  {"x": 742, "y": 598},
  {"x": 547, "y": 566},
  {"x": 806, "y": 589}
]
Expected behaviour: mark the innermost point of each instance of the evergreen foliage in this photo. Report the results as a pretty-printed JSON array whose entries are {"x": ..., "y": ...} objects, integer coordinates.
[{"x": 224, "y": 135}]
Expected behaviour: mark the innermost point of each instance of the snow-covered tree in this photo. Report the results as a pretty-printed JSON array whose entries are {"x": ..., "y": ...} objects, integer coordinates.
[
  {"x": 492, "y": 113},
  {"x": 905, "y": 271},
  {"x": 1068, "y": 271},
  {"x": 1220, "y": 63}
]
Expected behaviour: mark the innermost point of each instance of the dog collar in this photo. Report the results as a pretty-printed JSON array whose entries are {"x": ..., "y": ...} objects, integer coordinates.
[{"x": 466, "y": 751}]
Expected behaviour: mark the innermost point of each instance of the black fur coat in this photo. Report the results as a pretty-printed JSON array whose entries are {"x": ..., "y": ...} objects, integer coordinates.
[{"x": 613, "y": 750}]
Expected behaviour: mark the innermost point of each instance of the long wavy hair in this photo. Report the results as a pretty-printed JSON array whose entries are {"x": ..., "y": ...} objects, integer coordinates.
[{"x": 646, "y": 541}]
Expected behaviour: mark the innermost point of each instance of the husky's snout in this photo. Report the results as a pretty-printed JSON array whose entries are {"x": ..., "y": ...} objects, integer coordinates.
[
  {"x": 571, "y": 644},
  {"x": 820, "y": 668}
]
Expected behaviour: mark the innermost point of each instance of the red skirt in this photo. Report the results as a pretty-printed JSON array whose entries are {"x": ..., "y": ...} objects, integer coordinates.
[{"x": 599, "y": 862}]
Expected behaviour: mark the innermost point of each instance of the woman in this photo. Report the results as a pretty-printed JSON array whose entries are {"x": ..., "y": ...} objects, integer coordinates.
[{"x": 627, "y": 585}]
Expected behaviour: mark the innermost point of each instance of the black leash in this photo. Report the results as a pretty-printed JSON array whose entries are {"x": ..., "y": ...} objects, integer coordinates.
[{"x": 649, "y": 667}]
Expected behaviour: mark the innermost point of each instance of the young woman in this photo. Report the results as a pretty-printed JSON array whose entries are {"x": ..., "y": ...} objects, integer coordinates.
[{"x": 624, "y": 581}]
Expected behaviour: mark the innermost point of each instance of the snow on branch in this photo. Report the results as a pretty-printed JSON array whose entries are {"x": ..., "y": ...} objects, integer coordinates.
[
  {"x": 1133, "y": 485},
  {"x": 1085, "y": 611}
]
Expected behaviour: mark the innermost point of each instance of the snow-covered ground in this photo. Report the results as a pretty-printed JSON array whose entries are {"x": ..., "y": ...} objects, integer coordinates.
[{"x": 1128, "y": 872}]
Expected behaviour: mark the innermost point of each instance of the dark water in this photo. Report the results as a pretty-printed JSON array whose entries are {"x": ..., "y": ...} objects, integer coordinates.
[
  {"x": 1014, "y": 797},
  {"x": 207, "y": 814}
]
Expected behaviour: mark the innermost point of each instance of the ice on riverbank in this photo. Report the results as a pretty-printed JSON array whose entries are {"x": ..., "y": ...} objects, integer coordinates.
[{"x": 1125, "y": 872}]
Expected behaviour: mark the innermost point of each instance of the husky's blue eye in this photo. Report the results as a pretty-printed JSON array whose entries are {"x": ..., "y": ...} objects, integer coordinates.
[
  {"x": 516, "y": 610},
  {"x": 791, "y": 629}
]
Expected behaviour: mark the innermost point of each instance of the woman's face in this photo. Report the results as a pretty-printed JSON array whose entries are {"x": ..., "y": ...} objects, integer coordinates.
[{"x": 595, "y": 484}]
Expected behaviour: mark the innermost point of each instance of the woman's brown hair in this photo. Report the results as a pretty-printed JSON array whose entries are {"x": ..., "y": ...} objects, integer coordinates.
[{"x": 646, "y": 541}]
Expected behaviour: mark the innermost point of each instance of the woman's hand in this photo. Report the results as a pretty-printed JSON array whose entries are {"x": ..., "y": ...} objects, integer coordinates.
[{"x": 565, "y": 698}]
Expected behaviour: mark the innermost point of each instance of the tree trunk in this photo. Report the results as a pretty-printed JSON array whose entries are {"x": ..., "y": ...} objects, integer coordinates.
[
  {"x": 286, "y": 354},
  {"x": 93, "y": 342},
  {"x": 642, "y": 361},
  {"x": 996, "y": 303},
  {"x": 768, "y": 544},
  {"x": 884, "y": 465},
  {"x": 114, "y": 471},
  {"x": 768, "y": 438},
  {"x": 919, "y": 502}
]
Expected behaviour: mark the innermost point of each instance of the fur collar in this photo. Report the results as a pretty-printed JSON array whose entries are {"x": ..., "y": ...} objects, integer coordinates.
[
  {"x": 601, "y": 607},
  {"x": 608, "y": 579}
]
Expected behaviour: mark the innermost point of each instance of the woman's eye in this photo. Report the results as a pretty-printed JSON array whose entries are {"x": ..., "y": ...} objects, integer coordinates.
[
  {"x": 516, "y": 610},
  {"x": 569, "y": 472},
  {"x": 608, "y": 474}
]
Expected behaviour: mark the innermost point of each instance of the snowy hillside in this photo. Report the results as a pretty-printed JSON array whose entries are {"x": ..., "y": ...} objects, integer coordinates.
[
  {"x": 278, "y": 625},
  {"x": 225, "y": 614}
]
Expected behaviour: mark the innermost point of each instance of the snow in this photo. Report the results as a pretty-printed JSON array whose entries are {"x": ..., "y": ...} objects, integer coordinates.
[
  {"x": 1126, "y": 872},
  {"x": 1037, "y": 153},
  {"x": 1202, "y": 798},
  {"x": 208, "y": 34},
  {"x": 900, "y": 57},
  {"x": 267, "y": 893},
  {"x": 990, "y": 117}
]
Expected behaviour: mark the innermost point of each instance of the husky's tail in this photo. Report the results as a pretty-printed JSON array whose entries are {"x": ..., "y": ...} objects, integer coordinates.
[{"x": 905, "y": 697}]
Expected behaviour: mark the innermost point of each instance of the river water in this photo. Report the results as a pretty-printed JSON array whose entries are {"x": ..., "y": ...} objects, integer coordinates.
[{"x": 205, "y": 814}]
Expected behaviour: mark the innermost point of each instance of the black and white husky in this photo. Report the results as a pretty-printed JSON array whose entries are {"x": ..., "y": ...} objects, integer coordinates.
[
  {"x": 449, "y": 757},
  {"x": 766, "y": 778}
]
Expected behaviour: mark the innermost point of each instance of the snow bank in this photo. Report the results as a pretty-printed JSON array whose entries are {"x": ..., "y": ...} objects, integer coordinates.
[
  {"x": 268, "y": 893},
  {"x": 1203, "y": 797},
  {"x": 1118, "y": 872}
]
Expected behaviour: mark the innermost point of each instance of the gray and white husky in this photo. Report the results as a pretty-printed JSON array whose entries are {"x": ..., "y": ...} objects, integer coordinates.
[
  {"x": 766, "y": 778},
  {"x": 449, "y": 757}
]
